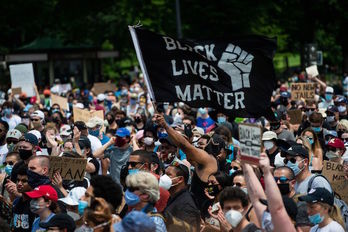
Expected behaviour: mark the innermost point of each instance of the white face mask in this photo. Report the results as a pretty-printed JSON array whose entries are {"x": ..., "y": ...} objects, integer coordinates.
[
  {"x": 148, "y": 141},
  {"x": 332, "y": 155},
  {"x": 341, "y": 109},
  {"x": 165, "y": 182},
  {"x": 268, "y": 145},
  {"x": 233, "y": 217}
]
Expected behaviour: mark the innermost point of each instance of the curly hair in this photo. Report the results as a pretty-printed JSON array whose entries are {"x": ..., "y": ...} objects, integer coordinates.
[{"x": 105, "y": 187}]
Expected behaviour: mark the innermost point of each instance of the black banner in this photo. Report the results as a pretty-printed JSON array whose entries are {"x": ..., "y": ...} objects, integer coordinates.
[{"x": 235, "y": 77}]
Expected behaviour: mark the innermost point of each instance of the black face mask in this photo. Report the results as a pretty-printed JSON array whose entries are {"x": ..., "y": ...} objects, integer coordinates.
[
  {"x": 25, "y": 154},
  {"x": 284, "y": 188},
  {"x": 213, "y": 190},
  {"x": 56, "y": 120},
  {"x": 110, "y": 121},
  {"x": 138, "y": 120},
  {"x": 35, "y": 179},
  {"x": 275, "y": 126}
]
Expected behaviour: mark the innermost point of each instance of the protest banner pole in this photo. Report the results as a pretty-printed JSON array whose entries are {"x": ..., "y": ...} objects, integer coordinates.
[{"x": 142, "y": 64}]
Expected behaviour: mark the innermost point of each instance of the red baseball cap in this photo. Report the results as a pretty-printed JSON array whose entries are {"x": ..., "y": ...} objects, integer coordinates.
[
  {"x": 46, "y": 191},
  {"x": 336, "y": 143}
]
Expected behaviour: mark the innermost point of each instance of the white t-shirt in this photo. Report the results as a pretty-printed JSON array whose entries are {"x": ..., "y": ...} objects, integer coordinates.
[
  {"x": 13, "y": 121},
  {"x": 3, "y": 153},
  {"x": 318, "y": 182},
  {"x": 331, "y": 227},
  {"x": 95, "y": 145}
]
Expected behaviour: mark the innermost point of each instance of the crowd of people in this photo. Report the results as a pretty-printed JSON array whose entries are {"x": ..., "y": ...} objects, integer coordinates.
[{"x": 170, "y": 167}]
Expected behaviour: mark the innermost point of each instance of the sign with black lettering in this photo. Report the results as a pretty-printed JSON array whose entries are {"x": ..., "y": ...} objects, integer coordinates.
[
  {"x": 335, "y": 175},
  {"x": 235, "y": 76},
  {"x": 304, "y": 91},
  {"x": 250, "y": 142},
  {"x": 69, "y": 168}
]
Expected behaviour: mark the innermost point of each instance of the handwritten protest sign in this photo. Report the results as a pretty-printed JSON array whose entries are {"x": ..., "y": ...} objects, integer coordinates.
[
  {"x": 69, "y": 168},
  {"x": 250, "y": 142},
  {"x": 101, "y": 87},
  {"x": 61, "y": 88},
  {"x": 302, "y": 90},
  {"x": 22, "y": 75},
  {"x": 335, "y": 174},
  {"x": 85, "y": 115},
  {"x": 16, "y": 90},
  {"x": 61, "y": 101},
  {"x": 295, "y": 116},
  {"x": 312, "y": 70}
]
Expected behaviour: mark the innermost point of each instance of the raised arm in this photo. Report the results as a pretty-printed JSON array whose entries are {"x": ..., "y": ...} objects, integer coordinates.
[
  {"x": 195, "y": 154},
  {"x": 280, "y": 219},
  {"x": 99, "y": 153}
]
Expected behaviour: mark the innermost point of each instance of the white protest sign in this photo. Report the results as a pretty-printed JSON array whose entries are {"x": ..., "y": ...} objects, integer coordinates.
[
  {"x": 22, "y": 75},
  {"x": 61, "y": 88},
  {"x": 250, "y": 142},
  {"x": 312, "y": 70}
]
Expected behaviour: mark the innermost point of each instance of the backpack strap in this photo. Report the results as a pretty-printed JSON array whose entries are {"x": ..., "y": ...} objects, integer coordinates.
[{"x": 310, "y": 182}]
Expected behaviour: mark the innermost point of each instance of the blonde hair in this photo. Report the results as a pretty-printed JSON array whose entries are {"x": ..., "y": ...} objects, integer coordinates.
[
  {"x": 342, "y": 123},
  {"x": 335, "y": 213},
  {"x": 146, "y": 183}
]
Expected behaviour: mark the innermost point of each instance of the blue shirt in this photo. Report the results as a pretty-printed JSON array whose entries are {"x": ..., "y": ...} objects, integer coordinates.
[
  {"x": 105, "y": 139},
  {"x": 206, "y": 123},
  {"x": 36, "y": 227}
]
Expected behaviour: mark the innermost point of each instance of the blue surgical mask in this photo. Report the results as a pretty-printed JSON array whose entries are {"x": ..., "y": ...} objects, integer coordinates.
[
  {"x": 131, "y": 199},
  {"x": 82, "y": 206},
  {"x": 232, "y": 171},
  {"x": 316, "y": 219},
  {"x": 221, "y": 119},
  {"x": 330, "y": 119},
  {"x": 342, "y": 109},
  {"x": 8, "y": 169},
  {"x": 295, "y": 167},
  {"x": 316, "y": 129},
  {"x": 133, "y": 171},
  {"x": 202, "y": 111},
  {"x": 311, "y": 141},
  {"x": 7, "y": 112},
  {"x": 328, "y": 97},
  {"x": 162, "y": 135},
  {"x": 94, "y": 132}
]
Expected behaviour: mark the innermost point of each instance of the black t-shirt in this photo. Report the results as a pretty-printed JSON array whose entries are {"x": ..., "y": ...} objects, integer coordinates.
[{"x": 23, "y": 218}]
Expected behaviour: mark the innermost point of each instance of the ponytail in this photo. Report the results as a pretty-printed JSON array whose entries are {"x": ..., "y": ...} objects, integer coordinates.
[{"x": 335, "y": 214}]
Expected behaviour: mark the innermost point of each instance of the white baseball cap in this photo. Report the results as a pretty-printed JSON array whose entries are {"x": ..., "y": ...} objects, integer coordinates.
[
  {"x": 38, "y": 113},
  {"x": 93, "y": 122},
  {"x": 13, "y": 133},
  {"x": 65, "y": 130},
  {"x": 329, "y": 89},
  {"x": 73, "y": 197},
  {"x": 101, "y": 97},
  {"x": 269, "y": 135},
  {"x": 36, "y": 133}
]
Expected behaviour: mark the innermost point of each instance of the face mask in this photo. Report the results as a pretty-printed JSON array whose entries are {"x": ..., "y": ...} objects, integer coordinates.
[
  {"x": 266, "y": 223},
  {"x": 35, "y": 179},
  {"x": 284, "y": 188},
  {"x": 310, "y": 141},
  {"x": 233, "y": 217},
  {"x": 120, "y": 142},
  {"x": 295, "y": 167},
  {"x": 82, "y": 206},
  {"x": 342, "y": 109},
  {"x": 244, "y": 190},
  {"x": 162, "y": 135},
  {"x": 131, "y": 199},
  {"x": 94, "y": 132},
  {"x": 133, "y": 102},
  {"x": 148, "y": 141},
  {"x": 268, "y": 145},
  {"x": 110, "y": 121},
  {"x": 332, "y": 155},
  {"x": 177, "y": 118},
  {"x": 165, "y": 182},
  {"x": 316, "y": 129},
  {"x": 221, "y": 119},
  {"x": 7, "y": 112},
  {"x": 213, "y": 190},
  {"x": 232, "y": 171},
  {"x": 73, "y": 215},
  {"x": 10, "y": 147},
  {"x": 275, "y": 127},
  {"x": 8, "y": 169},
  {"x": 133, "y": 171},
  {"x": 202, "y": 111},
  {"x": 136, "y": 89},
  {"x": 25, "y": 154},
  {"x": 36, "y": 124},
  {"x": 309, "y": 113},
  {"x": 138, "y": 120},
  {"x": 316, "y": 219},
  {"x": 34, "y": 206},
  {"x": 330, "y": 119},
  {"x": 328, "y": 97}
]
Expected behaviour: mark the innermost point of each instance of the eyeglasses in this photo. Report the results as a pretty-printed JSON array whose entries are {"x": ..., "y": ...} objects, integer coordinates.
[
  {"x": 133, "y": 164},
  {"x": 292, "y": 160},
  {"x": 55, "y": 108},
  {"x": 282, "y": 179},
  {"x": 10, "y": 163}
]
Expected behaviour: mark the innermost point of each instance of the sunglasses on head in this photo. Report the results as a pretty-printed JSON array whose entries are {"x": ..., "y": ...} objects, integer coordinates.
[
  {"x": 292, "y": 160},
  {"x": 281, "y": 179},
  {"x": 9, "y": 163}
]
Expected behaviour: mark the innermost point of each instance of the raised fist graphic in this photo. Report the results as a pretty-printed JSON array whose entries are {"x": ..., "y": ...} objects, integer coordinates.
[{"x": 237, "y": 64}]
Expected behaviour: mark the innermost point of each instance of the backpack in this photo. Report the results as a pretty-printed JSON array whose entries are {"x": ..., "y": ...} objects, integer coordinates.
[
  {"x": 173, "y": 223},
  {"x": 341, "y": 204}
]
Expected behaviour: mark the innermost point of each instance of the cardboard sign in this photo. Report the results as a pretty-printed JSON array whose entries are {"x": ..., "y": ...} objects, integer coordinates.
[
  {"x": 101, "y": 87},
  {"x": 312, "y": 70},
  {"x": 85, "y": 115},
  {"x": 335, "y": 175},
  {"x": 61, "y": 88},
  {"x": 250, "y": 142},
  {"x": 69, "y": 168},
  {"x": 302, "y": 91},
  {"x": 22, "y": 75},
  {"x": 295, "y": 116},
  {"x": 16, "y": 90},
  {"x": 61, "y": 101}
]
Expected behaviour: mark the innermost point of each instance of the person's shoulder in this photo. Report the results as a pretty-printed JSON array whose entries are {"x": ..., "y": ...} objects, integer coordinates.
[
  {"x": 251, "y": 227},
  {"x": 335, "y": 226}
]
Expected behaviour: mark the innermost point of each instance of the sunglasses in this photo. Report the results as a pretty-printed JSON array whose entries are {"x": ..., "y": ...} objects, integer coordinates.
[
  {"x": 329, "y": 148},
  {"x": 35, "y": 119},
  {"x": 281, "y": 179},
  {"x": 12, "y": 142},
  {"x": 10, "y": 163},
  {"x": 234, "y": 168},
  {"x": 237, "y": 184},
  {"x": 133, "y": 164},
  {"x": 292, "y": 160},
  {"x": 308, "y": 109}
]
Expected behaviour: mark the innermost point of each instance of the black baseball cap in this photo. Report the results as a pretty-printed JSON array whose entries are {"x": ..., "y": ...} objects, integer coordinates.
[
  {"x": 30, "y": 138},
  {"x": 296, "y": 150},
  {"x": 62, "y": 221},
  {"x": 332, "y": 109},
  {"x": 81, "y": 125},
  {"x": 84, "y": 142},
  {"x": 318, "y": 195}
]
